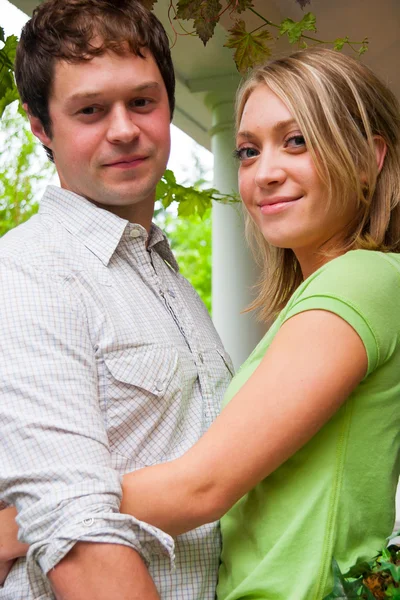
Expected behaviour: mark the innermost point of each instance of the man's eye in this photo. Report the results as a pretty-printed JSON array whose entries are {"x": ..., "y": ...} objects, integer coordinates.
[
  {"x": 89, "y": 110},
  {"x": 245, "y": 153},
  {"x": 141, "y": 102}
]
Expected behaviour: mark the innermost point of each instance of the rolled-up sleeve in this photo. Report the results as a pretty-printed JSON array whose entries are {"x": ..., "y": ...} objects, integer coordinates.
[{"x": 54, "y": 453}]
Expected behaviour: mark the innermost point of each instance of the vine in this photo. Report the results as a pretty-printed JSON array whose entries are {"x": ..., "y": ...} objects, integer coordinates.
[{"x": 251, "y": 47}]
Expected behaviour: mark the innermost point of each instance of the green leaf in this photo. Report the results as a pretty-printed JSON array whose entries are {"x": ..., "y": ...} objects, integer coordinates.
[
  {"x": 250, "y": 48},
  {"x": 169, "y": 177},
  {"x": 22, "y": 111},
  {"x": 339, "y": 43},
  {"x": 294, "y": 29},
  {"x": 392, "y": 592},
  {"x": 393, "y": 569},
  {"x": 359, "y": 570},
  {"x": 2, "y": 38},
  {"x": 363, "y": 49},
  {"x": 10, "y": 96},
  {"x": 346, "y": 590},
  {"x": 386, "y": 555},
  {"x": 10, "y": 48}
]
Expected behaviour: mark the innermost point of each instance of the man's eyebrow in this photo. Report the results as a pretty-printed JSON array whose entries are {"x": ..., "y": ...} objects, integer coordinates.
[
  {"x": 92, "y": 95},
  {"x": 277, "y": 127}
]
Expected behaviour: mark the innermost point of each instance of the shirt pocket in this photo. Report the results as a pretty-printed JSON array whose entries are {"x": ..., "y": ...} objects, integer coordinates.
[{"x": 142, "y": 402}]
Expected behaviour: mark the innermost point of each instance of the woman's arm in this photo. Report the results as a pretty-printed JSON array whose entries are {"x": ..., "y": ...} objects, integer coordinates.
[
  {"x": 313, "y": 364},
  {"x": 311, "y": 367}
]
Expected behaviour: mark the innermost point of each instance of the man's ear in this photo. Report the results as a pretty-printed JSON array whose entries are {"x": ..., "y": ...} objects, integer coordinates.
[
  {"x": 380, "y": 151},
  {"x": 37, "y": 127}
]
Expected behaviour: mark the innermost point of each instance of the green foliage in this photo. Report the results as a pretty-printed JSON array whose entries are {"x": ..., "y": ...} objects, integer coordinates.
[
  {"x": 190, "y": 239},
  {"x": 295, "y": 29},
  {"x": 378, "y": 578},
  {"x": 251, "y": 47},
  {"x": 23, "y": 169},
  {"x": 191, "y": 200},
  {"x": 8, "y": 89},
  {"x": 184, "y": 213}
]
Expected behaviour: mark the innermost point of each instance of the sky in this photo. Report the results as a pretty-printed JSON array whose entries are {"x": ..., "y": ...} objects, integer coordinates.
[{"x": 184, "y": 149}]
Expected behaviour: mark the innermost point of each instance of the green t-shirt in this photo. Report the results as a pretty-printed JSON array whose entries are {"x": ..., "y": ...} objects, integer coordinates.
[{"x": 336, "y": 496}]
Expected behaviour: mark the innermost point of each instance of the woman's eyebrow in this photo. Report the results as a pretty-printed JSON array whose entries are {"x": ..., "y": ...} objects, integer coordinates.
[
  {"x": 277, "y": 127},
  {"x": 284, "y": 124}
]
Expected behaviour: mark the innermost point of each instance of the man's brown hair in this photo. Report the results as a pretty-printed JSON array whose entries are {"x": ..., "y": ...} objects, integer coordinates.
[{"x": 78, "y": 30}]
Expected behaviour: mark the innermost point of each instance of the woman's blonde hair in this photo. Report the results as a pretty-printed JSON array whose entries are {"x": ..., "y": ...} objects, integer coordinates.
[{"x": 340, "y": 107}]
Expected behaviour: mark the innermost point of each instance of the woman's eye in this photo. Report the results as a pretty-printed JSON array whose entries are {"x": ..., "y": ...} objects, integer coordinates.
[
  {"x": 295, "y": 141},
  {"x": 245, "y": 153}
]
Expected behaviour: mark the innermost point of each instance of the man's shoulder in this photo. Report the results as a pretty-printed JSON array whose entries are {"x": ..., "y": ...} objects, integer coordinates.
[{"x": 40, "y": 243}]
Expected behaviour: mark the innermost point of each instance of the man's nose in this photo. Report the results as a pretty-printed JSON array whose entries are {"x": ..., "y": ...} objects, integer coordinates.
[{"x": 122, "y": 128}]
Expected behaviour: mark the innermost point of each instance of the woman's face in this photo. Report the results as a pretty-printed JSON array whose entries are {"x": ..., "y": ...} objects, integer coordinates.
[{"x": 278, "y": 182}]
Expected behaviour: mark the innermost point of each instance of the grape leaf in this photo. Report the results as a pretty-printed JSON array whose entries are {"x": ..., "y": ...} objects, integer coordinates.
[
  {"x": 340, "y": 42},
  {"x": 2, "y": 38},
  {"x": 148, "y": 3},
  {"x": 250, "y": 48},
  {"x": 295, "y": 29},
  {"x": 205, "y": 14},
  {"x": 206, "y": 22},
  {"x": 191, "y": 200},
  {"x": 240, "y": 6}
]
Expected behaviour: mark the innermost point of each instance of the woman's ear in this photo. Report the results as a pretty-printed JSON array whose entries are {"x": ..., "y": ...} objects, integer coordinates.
[{"x": 380, "y": 151}]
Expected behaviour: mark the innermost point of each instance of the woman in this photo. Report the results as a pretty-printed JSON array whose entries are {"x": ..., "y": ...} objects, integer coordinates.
[{"x": 311, "y": 422}]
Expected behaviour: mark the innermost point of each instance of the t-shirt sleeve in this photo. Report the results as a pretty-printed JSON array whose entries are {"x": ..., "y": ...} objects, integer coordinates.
[{"x": 363, "y": 288}]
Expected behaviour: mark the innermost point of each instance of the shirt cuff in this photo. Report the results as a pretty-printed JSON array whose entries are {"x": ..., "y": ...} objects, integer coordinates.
[{"x": 97, "y": 527}]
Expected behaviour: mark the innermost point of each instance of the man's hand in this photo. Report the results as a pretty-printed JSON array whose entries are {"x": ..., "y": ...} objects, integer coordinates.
[
  {"x": 101, "y": 572},
  {"x": 5, "y": 568}
]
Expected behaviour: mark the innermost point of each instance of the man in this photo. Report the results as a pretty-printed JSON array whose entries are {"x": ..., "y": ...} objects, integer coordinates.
[{"x": 109, "y": 359}]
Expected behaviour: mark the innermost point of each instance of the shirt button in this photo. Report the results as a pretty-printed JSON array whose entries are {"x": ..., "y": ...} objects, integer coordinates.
[
  {"x": 160, "y": 386},
  {"x": 135, "y": 233},
  {"x": 88, "y": 522}
]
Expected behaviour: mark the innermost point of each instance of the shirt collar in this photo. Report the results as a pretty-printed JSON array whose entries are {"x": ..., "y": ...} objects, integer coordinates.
[{"x": 96, "y": 228}]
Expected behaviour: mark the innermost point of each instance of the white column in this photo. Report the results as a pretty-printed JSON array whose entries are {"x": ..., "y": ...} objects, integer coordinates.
[{"x": 234, "y": 272}]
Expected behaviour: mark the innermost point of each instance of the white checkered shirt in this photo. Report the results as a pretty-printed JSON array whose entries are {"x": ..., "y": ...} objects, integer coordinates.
[{"x": 109, "y": 362}]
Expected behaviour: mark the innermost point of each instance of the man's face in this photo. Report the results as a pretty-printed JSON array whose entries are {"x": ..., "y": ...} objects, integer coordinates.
[{"x": 110, "y": 131}]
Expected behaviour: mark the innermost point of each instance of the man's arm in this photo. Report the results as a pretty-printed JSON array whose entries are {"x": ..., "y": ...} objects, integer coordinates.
[
  {"x": 55, "y": 459},
  {"x": 88, "y": 571},
  {"x": 102, "y": 572}
]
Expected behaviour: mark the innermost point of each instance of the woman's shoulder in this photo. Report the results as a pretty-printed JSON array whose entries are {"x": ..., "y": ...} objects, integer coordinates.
[{"x": 357, "y": 272}]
